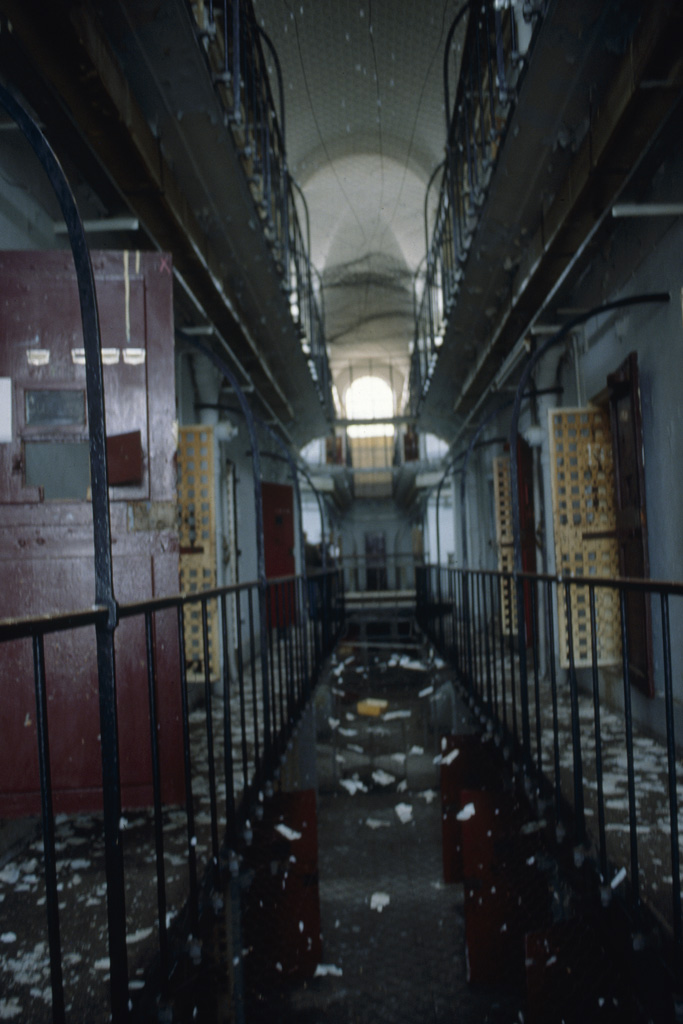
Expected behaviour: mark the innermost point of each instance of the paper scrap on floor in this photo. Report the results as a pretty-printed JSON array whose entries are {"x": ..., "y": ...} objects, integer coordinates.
[{"x": 372, "y": 706}]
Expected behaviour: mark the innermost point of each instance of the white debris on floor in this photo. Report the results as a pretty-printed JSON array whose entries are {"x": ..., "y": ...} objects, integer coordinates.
[
  {"x": 289, "y": 833},
  {"x": 379, "y": 900},
  {"x": 326, "y": 970},
  {"x": 383, "y": 778},
  {"x": 404, "y": 812},
  {"x": 466, "y": 813}
]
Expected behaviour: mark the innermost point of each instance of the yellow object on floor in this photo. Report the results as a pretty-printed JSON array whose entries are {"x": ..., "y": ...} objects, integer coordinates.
[{"x": 372, "y": 706}]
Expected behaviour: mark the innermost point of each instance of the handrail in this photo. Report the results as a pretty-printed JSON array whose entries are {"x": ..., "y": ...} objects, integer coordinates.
[
  {"x": 239, "y": 70},
  {"x": 489, "y": 76},
  {"x": 303, "y": 622},
  {"x": 473, "y": 626}
]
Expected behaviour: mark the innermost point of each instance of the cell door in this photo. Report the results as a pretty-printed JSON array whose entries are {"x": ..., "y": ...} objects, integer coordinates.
[
  {"x": 631, "y": 519},
  {"x": 278, "y": 536}
]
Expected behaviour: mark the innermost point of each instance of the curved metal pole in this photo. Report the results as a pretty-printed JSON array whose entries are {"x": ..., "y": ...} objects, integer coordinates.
[
  {"x": 223, "y": 368},
  {"x": 446, "y": 55},
  {"x": 297, "y": 186},
  {"x": 436, "y": 170},
  {"x": 554, "y": 339},
  {"x": 415, "y": 277},
  {"x": 278, "y": 71},
  {"x": 104, "y": 588}
]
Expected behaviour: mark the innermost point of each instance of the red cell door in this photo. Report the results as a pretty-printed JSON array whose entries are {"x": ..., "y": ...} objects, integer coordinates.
[{"x": 278, "y": 536}]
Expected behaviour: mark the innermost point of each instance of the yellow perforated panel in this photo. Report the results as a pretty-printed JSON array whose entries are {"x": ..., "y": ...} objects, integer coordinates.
[
  {"x": 582, "y": 480},
  {"x": 503, "y": 511},
  {"x": 197, "y": 530}
]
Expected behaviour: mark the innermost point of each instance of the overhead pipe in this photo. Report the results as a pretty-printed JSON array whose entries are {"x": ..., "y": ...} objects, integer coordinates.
[
  {"x": 634, "y": 300},
  {"x": 104, "y": 596}
]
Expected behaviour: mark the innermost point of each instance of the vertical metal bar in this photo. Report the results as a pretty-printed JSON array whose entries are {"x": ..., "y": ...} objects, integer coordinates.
[
  {"x": 537, "y": 691},
  {"x": 209, "y": 742},
  {"x": 236, "y": 63},
  {"x": 513, "y": 681},
  {"x": 230, "y": 810},
  {"x": 468, "y": 629},
  {"x": 523, "y": 677},
  {"x": 505, "y": 603},
  {"x": 553, "y": 695},
  {"x": 272, "y": 628},
  {"x": 628, "y": 727},
  {"x": 243, "y": 710},
  {"x": 226, "y": 41},
  {"x": 158, "y": 820},
  {"x": 500, "y": 58},
  {"x": 494, "y": 653},
  {"x": 254, "y": 690},
  {"x": 579, "y": 814},
  {"x": 48, "y": 823},
  {"x": 284, "y": 717},
  {"x": 598, "y": 736},
  {"x": 187, "y": 764},
  {"x": 491, "y": 74},
  {"x": 671, "y": 767},
  {"x": 487, "y": 647}
]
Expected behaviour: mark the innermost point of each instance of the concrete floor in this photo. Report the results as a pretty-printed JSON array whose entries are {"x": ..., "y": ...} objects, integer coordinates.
[{"x": 392, "y": 931}]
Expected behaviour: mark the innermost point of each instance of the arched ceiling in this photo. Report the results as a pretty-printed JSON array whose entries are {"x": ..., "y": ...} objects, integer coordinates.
[{"x": 365, "y": 128}]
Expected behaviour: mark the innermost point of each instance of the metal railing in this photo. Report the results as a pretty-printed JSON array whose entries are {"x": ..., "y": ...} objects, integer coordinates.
[
  {"x": 233, "y": 43},
  {"x": 234, "y": 739},
  {"x": 382, "y": 575},
  {"x": 613, "y": 788},
  {"x": 490, "y": 74}
]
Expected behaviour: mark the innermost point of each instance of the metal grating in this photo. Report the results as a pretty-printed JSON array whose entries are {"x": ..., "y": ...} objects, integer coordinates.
[
  {"x": 197, "y": 531},
  {"x": 584, "y": 520}
]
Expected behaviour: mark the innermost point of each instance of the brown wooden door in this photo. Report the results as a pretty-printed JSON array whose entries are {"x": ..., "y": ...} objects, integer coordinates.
[{"x": 629, "y": 473}]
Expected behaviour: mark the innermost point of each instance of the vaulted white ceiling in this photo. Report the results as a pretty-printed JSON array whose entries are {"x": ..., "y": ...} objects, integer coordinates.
[{"x": 365, "y": 128}]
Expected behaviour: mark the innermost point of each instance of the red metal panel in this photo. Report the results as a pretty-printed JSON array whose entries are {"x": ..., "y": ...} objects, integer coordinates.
[
  {"x": 282, "y": 906},
  {"x": 475, "y": 766},
  {"x": 278, "y": 526},
  {"x": 124, "y": 459},
  {"x": 278, "y": 537}
]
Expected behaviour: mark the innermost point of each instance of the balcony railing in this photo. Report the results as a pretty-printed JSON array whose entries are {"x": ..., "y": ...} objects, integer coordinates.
[
  {"x": 494, "y": 53},
  {"x": 234, "y": 47},
  {"x": 232, "y": 739},
  {"x": 611, "y": 787}
]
